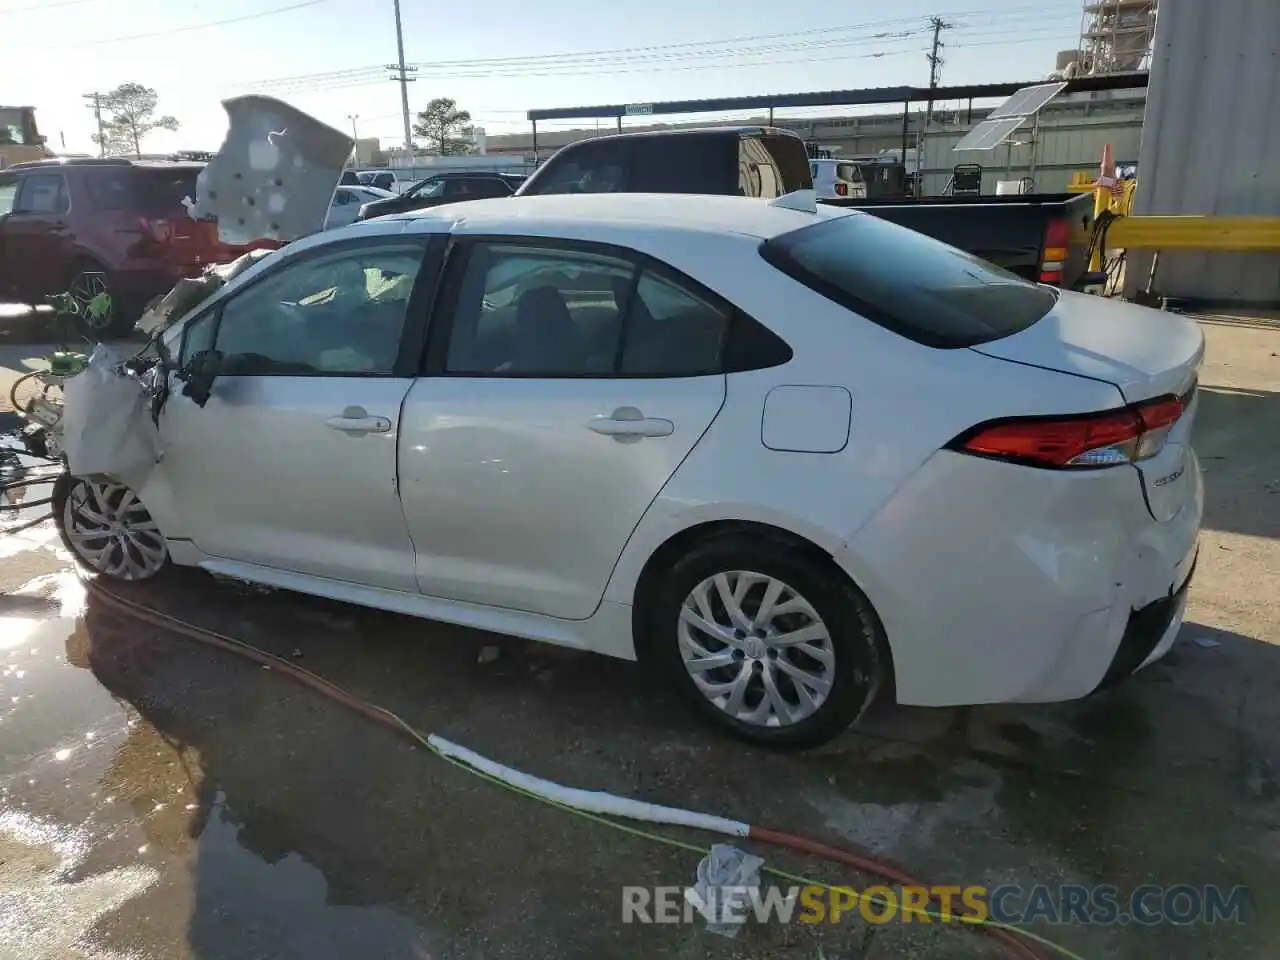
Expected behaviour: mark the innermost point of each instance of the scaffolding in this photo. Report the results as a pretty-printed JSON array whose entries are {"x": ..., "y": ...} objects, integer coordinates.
[{"x": 1116, "y": 36}]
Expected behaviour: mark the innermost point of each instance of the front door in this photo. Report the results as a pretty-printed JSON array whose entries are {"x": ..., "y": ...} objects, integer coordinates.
[
  {"x": 37, "y": 237},
  {"x": 565, "y": 385},
  {"x": 291, "y": 464}
]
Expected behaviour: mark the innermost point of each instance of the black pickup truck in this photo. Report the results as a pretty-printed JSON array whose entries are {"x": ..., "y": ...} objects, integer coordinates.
[{"x": 1042, "y": 237}]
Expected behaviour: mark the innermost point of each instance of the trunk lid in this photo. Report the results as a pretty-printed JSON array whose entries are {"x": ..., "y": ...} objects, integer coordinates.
[{"x": 1144, "y": 353}]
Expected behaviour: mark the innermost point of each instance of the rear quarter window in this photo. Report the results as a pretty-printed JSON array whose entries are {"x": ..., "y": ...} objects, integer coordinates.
[
  {"x": 906, "y": 282},
  {"x": 160, "y": 191}
]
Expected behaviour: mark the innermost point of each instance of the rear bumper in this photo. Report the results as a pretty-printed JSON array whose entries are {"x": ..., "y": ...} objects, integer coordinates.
[
  {"x": 1149, "y": 634},
  {"x": 1001, "y": 584}
]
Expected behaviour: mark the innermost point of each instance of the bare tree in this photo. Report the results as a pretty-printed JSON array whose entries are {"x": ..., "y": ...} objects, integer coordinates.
[
  {"x": 442, "y": 125},
  {"x": 130, "y": 115}
]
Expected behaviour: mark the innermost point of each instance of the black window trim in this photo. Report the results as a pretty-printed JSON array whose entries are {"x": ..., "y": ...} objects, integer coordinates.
[
  {"x": 776, "y": 252},
  {"x": 456, "y": 259},
  {"x": 413, "y": 334},
  {"x": 21, "y": 189}
]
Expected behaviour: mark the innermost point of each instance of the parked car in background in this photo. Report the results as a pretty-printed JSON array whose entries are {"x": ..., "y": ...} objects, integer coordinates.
[
  {"x": 347, "y": 201},
  {"x": 733, "y": 161},
  {"x": 793, "y": 455},
  {"x": 444, "y": 188},
  {"x": 382, "y": 179},
  {"x": 87, "y": 227},
  {"x": 349, "y": 178},
  {"x": 837, "y": 178}
]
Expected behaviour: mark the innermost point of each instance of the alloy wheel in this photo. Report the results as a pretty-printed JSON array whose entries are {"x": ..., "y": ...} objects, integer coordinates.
[
  {"x": 111, "y": 531},
  {"x": 756, "y": 648}
]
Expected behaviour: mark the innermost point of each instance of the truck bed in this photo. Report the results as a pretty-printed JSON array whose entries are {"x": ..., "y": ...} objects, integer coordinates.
[{"x": 1009, "y": 231}]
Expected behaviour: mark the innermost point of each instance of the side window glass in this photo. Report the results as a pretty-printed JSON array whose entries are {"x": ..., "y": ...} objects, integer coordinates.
[
  {"x": 598, "y": 167},
  {"x": 526, "y": 310},
  {"x": 672, "y": 332},
  {"x": 8, "y": 190},
  {"x": 330, "y": 315},
  {"x": 43, "y": 193},
  {"x": 110, "y": 190}
]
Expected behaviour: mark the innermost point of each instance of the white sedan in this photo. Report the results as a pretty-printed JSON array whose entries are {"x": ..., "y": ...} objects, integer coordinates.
[
  {"x": 794, "y": 455},
  {"x": 347, "y": 201}
]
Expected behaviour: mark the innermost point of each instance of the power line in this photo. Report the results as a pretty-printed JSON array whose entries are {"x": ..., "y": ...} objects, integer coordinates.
[
  {"x": 38, "y": 7},
  {"x": 481, "y": 68},
  {"x": 694, "y": 45},
  {"x": 194, "y": 26}
]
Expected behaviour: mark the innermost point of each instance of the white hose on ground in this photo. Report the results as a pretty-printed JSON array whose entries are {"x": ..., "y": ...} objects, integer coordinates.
[{"x": 592, "y": 801}]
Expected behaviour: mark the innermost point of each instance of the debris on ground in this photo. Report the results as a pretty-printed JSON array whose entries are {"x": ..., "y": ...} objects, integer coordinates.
[{"x": 487, "y": 655}]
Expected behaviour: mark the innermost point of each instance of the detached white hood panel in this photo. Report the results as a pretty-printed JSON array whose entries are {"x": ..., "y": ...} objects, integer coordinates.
[{"x": 274, "y": 175}]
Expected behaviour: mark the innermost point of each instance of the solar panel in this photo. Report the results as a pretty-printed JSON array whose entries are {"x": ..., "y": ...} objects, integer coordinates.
[
  {"x": 989, "y": 134},
  {"x": 1027, "y": 102}
]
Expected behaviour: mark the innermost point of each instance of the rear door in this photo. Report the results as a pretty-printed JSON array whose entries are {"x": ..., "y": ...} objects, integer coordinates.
[
  {"x": 38, "y": 236},
  {"x": 565, "y": 385},
  {"x": 291, "y": 464}
]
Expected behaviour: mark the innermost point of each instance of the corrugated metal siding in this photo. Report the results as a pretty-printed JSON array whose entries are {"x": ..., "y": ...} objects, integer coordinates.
[
  {"x": 1211, "y": 141},
  {"x": 1062, "y": 148}
]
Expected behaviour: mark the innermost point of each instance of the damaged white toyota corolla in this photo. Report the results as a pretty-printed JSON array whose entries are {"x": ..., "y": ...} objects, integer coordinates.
[{"x": 795, "y": 456}]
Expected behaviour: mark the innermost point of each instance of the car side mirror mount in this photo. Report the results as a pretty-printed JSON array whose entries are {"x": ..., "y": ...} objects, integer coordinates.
[{"x": 198, "y": 375}]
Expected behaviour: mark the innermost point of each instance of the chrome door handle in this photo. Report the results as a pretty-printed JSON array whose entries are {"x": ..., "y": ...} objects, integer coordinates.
[
  {"x": 628, "y": 423},
  {"x": 351, "y": 422}
]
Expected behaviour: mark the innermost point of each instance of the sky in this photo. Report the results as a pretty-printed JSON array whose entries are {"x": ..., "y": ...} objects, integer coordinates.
[{"x": 496, "y": 58}]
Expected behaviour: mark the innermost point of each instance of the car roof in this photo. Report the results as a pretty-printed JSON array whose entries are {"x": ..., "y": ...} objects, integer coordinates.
[
  {"x": 684, "y": 212},
  {"x": 117, "y": 163}
]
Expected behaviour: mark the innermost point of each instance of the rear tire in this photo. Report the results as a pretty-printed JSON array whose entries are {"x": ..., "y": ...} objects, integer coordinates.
[
  {"x": 793, "y": 657},
  {"x": 108, "y": 529}
]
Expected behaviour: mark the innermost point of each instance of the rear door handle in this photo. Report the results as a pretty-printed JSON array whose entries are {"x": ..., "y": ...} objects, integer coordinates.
[
  {"x": 357, "y": 420},
  {"x": 628, "y": 423}
]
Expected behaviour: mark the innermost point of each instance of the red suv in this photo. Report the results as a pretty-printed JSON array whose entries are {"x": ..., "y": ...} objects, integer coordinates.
[{"x": 88, "y": 226}]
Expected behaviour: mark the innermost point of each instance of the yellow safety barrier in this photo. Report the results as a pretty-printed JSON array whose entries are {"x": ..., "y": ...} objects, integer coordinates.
[{"x": 1236, "y": 234}]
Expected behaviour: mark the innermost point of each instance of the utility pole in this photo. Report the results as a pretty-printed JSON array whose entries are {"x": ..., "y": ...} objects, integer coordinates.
[
  {"x": 401, "y": 73},
  {"x": 935, "y": 58},
  {"x": 96, "y": 100},
  {"x": 355, "y": 146}
]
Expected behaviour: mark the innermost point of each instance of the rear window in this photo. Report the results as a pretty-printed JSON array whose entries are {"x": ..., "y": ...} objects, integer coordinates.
[
  {"x": 849, "y": 172},
  {"x": 772, "y": 165},
  {"x": 909, "y": 283},
  {"x": 160, "y": 190}
]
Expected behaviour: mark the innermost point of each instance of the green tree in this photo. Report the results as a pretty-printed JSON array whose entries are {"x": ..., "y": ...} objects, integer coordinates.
[
  {"x": 444, "y": 127},
  {"x": 129, "y": 114}
]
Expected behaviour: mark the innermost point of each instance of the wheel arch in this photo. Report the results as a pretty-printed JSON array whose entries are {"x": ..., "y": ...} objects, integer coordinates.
[{"x": 684, "y": 540}]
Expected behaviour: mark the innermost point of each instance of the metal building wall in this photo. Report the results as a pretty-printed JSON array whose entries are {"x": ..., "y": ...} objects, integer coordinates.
[
  {"x": 1062, "y": 147},
  {"x": 1211, "y": 141}
]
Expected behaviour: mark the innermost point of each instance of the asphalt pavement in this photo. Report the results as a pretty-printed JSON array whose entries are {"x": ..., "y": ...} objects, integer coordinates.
[{"x": 160, "y": 799}]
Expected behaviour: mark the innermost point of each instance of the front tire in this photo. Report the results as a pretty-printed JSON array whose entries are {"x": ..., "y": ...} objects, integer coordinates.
[
  {"x": 767, "y": 641},
  {"x": 108, "y": 529}
]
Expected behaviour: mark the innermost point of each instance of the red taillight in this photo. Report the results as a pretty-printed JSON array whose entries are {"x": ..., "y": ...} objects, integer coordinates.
[
  {"x": 1088, "y": 440},
  {"x": 1057, "y": 245},
  {"x": 842, "y": 189}
]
